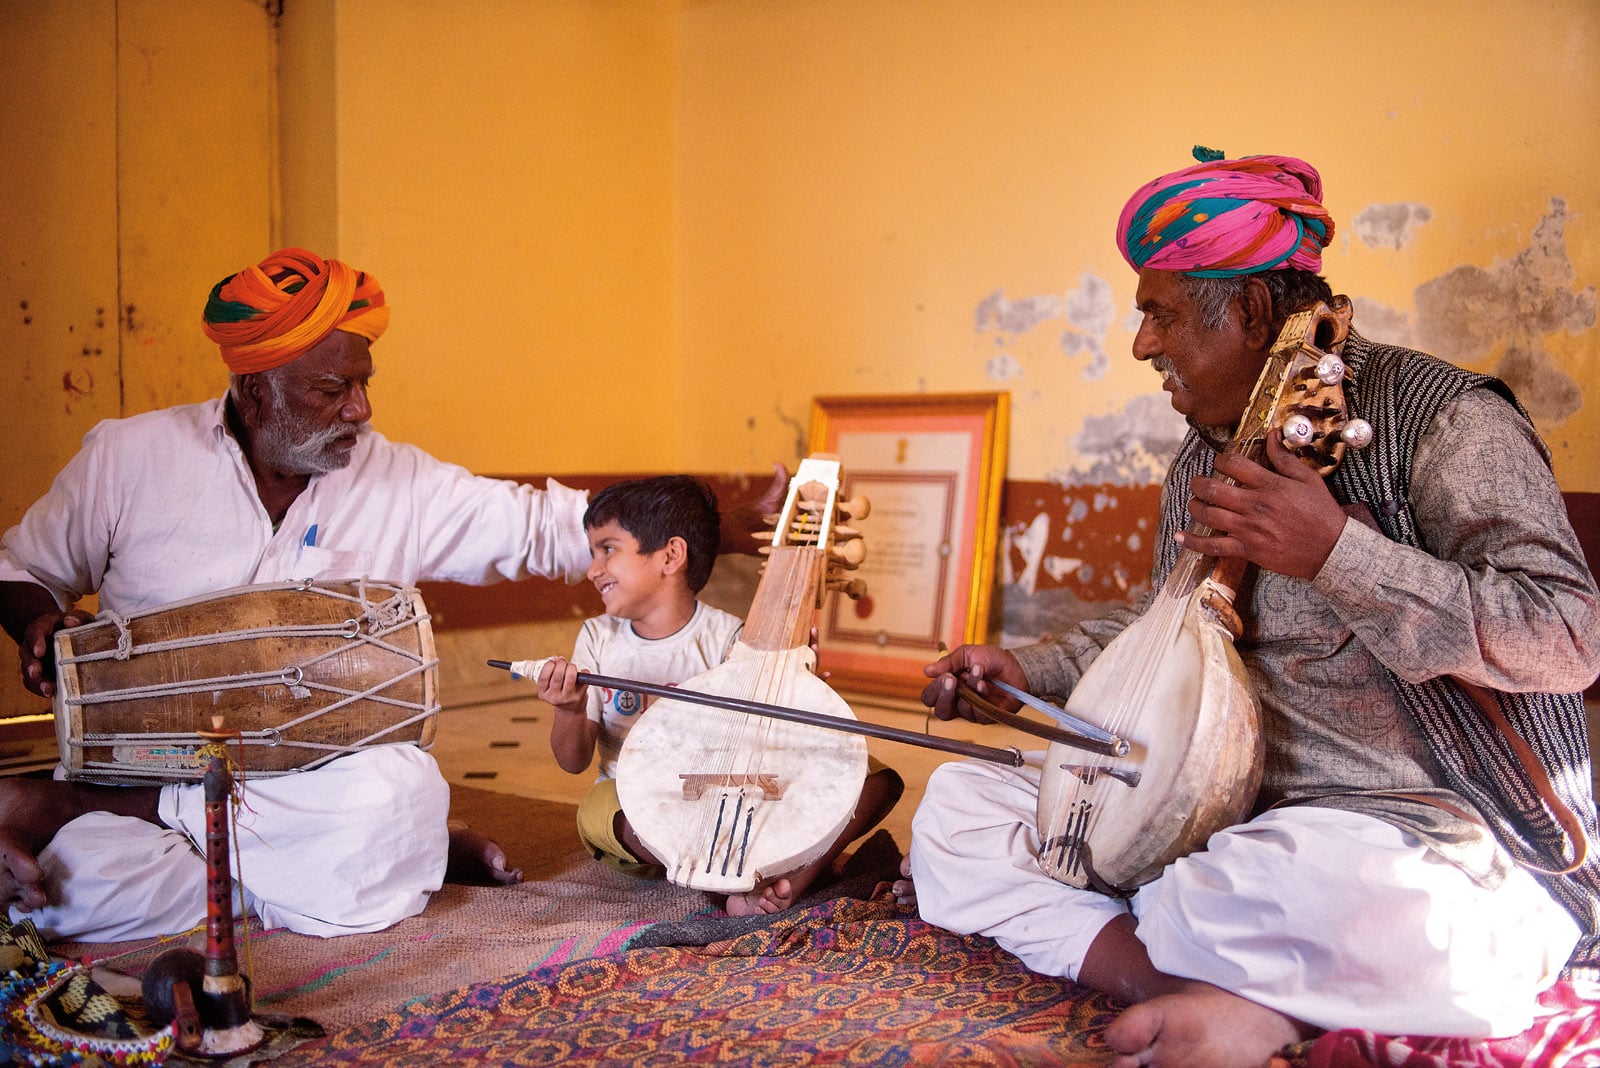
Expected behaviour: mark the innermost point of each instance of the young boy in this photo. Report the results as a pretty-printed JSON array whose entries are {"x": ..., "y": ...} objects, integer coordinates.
[{"x": 654, "y": 541}]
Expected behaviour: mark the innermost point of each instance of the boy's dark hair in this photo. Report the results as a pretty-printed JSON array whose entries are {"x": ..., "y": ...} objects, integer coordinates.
[{"x": 656, "y": 509}]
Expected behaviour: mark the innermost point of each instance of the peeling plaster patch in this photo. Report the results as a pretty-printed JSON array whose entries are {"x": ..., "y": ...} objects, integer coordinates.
[
  {"x": 1030, "y": 542},
  {"x": 1469, "y": 309},
  {"x": 1088, "y": 311},
  {"x": 1003, "y": 368},
  {"x": 1059, "y": 567},
  {"x": 1544, "y": 389},
  {"x": 1097, "y": 367},
  {"x": 1377, "y": 320},
  {"x": 1119, "y": 575},
  {"x": 997, "y": 313},
  {"x": 1090, "y": 307},
  {"x": 1079, "y": 512},
  {"x": 1390, "y": 225},
  {"x": 1468, "y": 312},
  {"x": 1128, "y": 448}
]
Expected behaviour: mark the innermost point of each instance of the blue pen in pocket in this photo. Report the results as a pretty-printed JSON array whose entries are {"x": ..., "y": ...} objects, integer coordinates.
[{"x": 309, "y": 541}]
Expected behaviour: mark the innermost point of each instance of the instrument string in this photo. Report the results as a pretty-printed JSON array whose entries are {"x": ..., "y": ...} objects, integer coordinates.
[
  {"x": 1162, "y": 624},
  {"x": 776, "y": 667}
]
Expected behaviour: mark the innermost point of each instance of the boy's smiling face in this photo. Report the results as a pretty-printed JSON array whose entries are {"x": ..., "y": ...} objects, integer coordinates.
[{"x": 629, "y": 581}]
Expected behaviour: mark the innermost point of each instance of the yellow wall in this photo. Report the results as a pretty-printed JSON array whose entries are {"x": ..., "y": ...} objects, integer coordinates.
[
  {"x": 139, "y": 154},
  {"x": 506, "y": 170},
  {"x": 858, "y": 179}
]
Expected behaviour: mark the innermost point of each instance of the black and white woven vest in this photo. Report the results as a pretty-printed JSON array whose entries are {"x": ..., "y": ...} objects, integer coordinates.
[{"x": 1399, "y": 391}]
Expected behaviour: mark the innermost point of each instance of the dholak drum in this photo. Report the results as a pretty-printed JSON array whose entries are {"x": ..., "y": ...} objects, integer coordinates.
[{"x": 303, "y": 672}]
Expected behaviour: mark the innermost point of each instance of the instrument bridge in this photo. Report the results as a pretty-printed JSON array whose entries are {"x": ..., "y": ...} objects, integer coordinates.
[
  {"x": 1089, "y": 773},
  {"x": 695, "y": 785}
]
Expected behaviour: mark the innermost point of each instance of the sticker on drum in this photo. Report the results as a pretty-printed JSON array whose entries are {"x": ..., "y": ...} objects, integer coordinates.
[{"x": 157, "y": 756}]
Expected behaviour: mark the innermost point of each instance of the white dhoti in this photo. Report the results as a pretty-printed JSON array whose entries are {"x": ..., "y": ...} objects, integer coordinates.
[
  {"x": 1331, "y": 917},
  {"x": 353, "y": 846}
]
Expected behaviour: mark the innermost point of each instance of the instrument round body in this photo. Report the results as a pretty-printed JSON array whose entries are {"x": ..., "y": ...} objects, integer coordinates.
[
  {"x": 304, "y": 672},
  {"x": 727, "y": 800},
  {"x": 1172, "y": 685}
]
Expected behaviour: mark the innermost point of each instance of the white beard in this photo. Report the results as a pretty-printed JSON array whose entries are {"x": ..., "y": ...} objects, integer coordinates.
[{"x": 286, "y": 444}]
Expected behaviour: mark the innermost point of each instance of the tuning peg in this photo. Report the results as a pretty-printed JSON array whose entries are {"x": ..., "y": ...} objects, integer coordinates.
[
  {"x": 1357, "y": 433},
  {"x": 1298, "y": 431},
  {"x": 850, "y": 554},
  {"x": 854, "y": 588},
  {"x": 1330, "y": 370},
  {"x": 844, "y": 533},
  {"x": 856, "y": 507}
]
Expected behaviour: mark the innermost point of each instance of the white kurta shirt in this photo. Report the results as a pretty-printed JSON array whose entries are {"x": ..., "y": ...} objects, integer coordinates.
[
  {"x": 607, "y": 645},
  {"x": 162, "y": 506}
]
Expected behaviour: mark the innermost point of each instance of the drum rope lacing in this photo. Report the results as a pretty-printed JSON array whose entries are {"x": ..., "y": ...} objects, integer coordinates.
[{"x": 379, "y": 618}]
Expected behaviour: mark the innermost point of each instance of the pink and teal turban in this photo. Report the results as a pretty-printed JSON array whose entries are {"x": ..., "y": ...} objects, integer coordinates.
[
  {"x": 275, "y": 312},
  {"x": 1227, "y": 217}
]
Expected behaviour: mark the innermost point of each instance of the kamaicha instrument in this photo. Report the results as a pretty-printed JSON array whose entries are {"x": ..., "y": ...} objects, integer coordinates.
[
  {"x": 752, "y": 769},
  {"x": 1172, "y": 684}
]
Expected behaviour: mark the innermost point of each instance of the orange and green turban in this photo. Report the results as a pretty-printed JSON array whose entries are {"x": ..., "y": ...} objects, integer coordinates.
[
  {"x": 275, "y": 312},
  {"x": 1227, "y": 217}
]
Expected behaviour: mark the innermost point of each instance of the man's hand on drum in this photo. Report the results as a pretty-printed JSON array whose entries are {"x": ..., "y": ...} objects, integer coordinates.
[
  {"x": 38, "y": 648},
  {"x": 971, "y": 665},
  {"x": 559, "y": 686}
]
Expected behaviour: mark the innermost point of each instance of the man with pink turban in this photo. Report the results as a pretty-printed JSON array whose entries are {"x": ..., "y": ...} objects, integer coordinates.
[
  {"x": 1413, "y": 864},
  {"x": 280, "y": 480}
]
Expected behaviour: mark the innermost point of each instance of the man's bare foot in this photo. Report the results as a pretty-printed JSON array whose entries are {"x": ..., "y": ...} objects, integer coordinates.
[
  {"x": 764, "y": 900},
  {"x": 477, "y": 860},
  {"x": 904, "y": 890},
  {"x": 1200, "y": 1026}
]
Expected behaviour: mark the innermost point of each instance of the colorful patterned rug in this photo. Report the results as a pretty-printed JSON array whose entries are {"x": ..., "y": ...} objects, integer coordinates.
[
  {"x": 847, "y": 981},
  {"x": 568, "y": 907},
  {"x": 582, "y": 966}
]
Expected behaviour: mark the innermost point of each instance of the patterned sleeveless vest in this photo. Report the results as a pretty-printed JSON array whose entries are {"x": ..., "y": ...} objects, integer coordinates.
[{"x": 1399, "y": 391}]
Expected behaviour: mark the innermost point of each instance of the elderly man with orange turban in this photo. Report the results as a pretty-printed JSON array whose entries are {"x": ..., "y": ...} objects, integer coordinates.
[
  {"x": 280, "y": 480},
  {"x": 1412, "y": 864}
]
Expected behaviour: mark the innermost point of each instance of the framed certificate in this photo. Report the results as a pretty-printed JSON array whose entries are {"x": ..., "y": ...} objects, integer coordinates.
[{"x": 931, "y": 467}]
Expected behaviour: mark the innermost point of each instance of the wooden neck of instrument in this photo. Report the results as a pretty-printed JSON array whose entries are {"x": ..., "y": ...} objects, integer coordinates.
[{"x": 785, "y": 604}]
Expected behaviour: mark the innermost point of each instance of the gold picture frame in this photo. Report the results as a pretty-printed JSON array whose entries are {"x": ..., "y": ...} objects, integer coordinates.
[{"x": 932, "y": 467}]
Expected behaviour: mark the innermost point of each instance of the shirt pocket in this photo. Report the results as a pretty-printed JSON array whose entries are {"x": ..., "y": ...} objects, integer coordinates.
[{"x": 317, "y": 563}]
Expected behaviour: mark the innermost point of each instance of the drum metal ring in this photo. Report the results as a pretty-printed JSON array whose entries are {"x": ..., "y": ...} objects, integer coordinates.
[
  {"x": 293, "y": 677},
  {"x": 352, "y": 629},
  {"x": 272, "y": 735}
]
